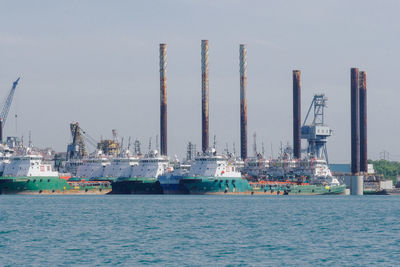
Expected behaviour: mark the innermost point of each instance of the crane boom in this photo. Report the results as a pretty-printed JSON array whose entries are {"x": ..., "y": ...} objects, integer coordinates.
[{"x": 7, "y": 102}]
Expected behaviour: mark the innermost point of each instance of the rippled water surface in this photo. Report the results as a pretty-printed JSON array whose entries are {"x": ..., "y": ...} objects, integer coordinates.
[{"x": 199, "y": 230}]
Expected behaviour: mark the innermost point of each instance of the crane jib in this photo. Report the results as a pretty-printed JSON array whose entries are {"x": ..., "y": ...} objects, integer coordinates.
[{"x": 7, "y": 102}]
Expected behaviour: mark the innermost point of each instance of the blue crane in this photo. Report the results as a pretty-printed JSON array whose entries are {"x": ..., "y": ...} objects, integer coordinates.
[
  {"x": 317, "y": 132},
  {"x": 7, "y": 102}
]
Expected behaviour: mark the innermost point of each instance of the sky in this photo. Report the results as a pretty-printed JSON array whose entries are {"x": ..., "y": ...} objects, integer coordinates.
[{"x": 97, "y": 62}]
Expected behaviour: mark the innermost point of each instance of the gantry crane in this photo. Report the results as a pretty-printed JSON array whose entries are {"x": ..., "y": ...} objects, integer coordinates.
[{"x": 317, "y": 132}]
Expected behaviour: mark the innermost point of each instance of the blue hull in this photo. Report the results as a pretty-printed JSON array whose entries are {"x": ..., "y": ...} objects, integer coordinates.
[{"x": 173, "y": 189}]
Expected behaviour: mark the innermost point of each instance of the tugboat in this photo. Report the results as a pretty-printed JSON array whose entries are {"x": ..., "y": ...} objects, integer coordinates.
[
  {"x": 213, "y": 174},
  {"x": 143, "y": 178},
  {"x": 28, "y": 174}
]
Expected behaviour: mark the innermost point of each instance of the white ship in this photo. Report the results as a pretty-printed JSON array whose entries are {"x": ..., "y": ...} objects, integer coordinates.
[
  {"x": 212, "y": 173},
  {"x": 256, "y": 166},
  {"x": 92, "y": 167},
  {"x": 143, "y": 178},
  {"x": 5, "y": 156},
  {"x": 27, "y": 166},
  {"x": 120, "y": 166},
  {"x": 317, "y": 170}
]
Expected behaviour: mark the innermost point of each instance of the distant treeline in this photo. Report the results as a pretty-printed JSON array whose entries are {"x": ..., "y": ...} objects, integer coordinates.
[{"x": 389, "y": 169}]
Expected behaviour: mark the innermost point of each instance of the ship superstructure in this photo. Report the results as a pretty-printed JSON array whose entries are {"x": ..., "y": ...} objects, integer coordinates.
[
  {"x": 93, "y": 167},
  {"x": 5, "y": 156},
  {"x": 27, "y": 166},
  {"x": 143, "y": 178},
  {"x": 120, "y": 167}
]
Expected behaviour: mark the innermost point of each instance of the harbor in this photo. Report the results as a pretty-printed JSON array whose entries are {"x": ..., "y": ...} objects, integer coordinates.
[
  {"x": 110, "y": 167},
  {"x": 199, "y": 133}
]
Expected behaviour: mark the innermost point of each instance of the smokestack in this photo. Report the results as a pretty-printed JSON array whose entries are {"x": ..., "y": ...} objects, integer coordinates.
[
  {"x": 355, "y": 122},
  {"x": 296, "y": 114},
  {"x": 204, "y": 95},
  {"x": 243, "y": 101},
  {"x": 163, "y": 99},
  {"x": 1, "y": 130},
  {"x": 363, "y": 122}
]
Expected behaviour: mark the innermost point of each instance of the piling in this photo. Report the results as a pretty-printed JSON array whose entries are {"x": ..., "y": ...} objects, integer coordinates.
[
  {"x": 363, "y": 122},
  {"x": 297, "y": 114},
  {"x": 243, "y": 101},
  {"x": 204, "y": 96},
  {"x": 163, "y": 99},
  {"x": 357, "y": 185},
  {"x": 355, "y": 122}
]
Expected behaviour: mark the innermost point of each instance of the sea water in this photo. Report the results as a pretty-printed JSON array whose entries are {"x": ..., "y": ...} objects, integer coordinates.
[{"x": 159, "y": 230}]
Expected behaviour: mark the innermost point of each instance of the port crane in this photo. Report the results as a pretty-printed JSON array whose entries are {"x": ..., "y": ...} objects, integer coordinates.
[
  {"x": 6, "y": 107},
  {"x": 77, "y": 149},
  {"x": 317, "y": 132}
]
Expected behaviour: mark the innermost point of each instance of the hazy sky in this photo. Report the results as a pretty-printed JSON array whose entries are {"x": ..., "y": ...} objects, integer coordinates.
[{"x": 96, "y": 62}]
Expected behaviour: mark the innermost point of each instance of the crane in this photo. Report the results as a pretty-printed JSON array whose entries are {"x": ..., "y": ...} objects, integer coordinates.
[
  {"x": 7, "y": 102},
  {"x": 317, "y": 132},
  {"x": 77, "y": 149}
]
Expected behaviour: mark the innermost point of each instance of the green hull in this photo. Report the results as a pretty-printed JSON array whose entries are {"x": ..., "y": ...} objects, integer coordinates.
[
  {"x": 292, "y": 189},
  {"x": 136, "y": 186},
  {"x": 234, "y": 186},
  {"x": 212, "y": 185},
  {"x": 50, "y": 185}
]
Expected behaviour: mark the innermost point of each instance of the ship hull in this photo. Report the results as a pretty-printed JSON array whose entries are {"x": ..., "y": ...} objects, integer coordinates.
[
  {"x": 293, "y": 189},
  {"x": 50, "y": 185},
  {"x": 142, "y": 186},
  {"x": 214, "y": 186},
  {"x": 237, "y": 186},
  {"x": 174, "y": 189}
]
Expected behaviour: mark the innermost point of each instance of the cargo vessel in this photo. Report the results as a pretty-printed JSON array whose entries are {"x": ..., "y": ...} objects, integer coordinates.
[
  {"x": 28, "y": 174},
  {"x": 143, "y": 178}
]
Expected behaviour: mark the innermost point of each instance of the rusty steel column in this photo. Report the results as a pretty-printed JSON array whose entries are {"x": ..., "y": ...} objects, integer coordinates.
[
  {"x": 243, "y": 101},
  {"x": 163, "y": 99},
  {"x": 1, "y": 130},
  {"x": 363, "y": 122},
  {"x": 355, "y": 122},
  {"x": 297, "y": 114},
  {"x": 204, "y": 96}
]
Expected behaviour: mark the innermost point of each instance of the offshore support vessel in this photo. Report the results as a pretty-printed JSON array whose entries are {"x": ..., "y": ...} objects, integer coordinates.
[
  {"x": 143, "y": 178},
  {"x": 120, "y": 166},
  {"x": 212, "y": 173},
  {"x": 92, "y": 168},
  {"x": 28, "y": 174}
]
